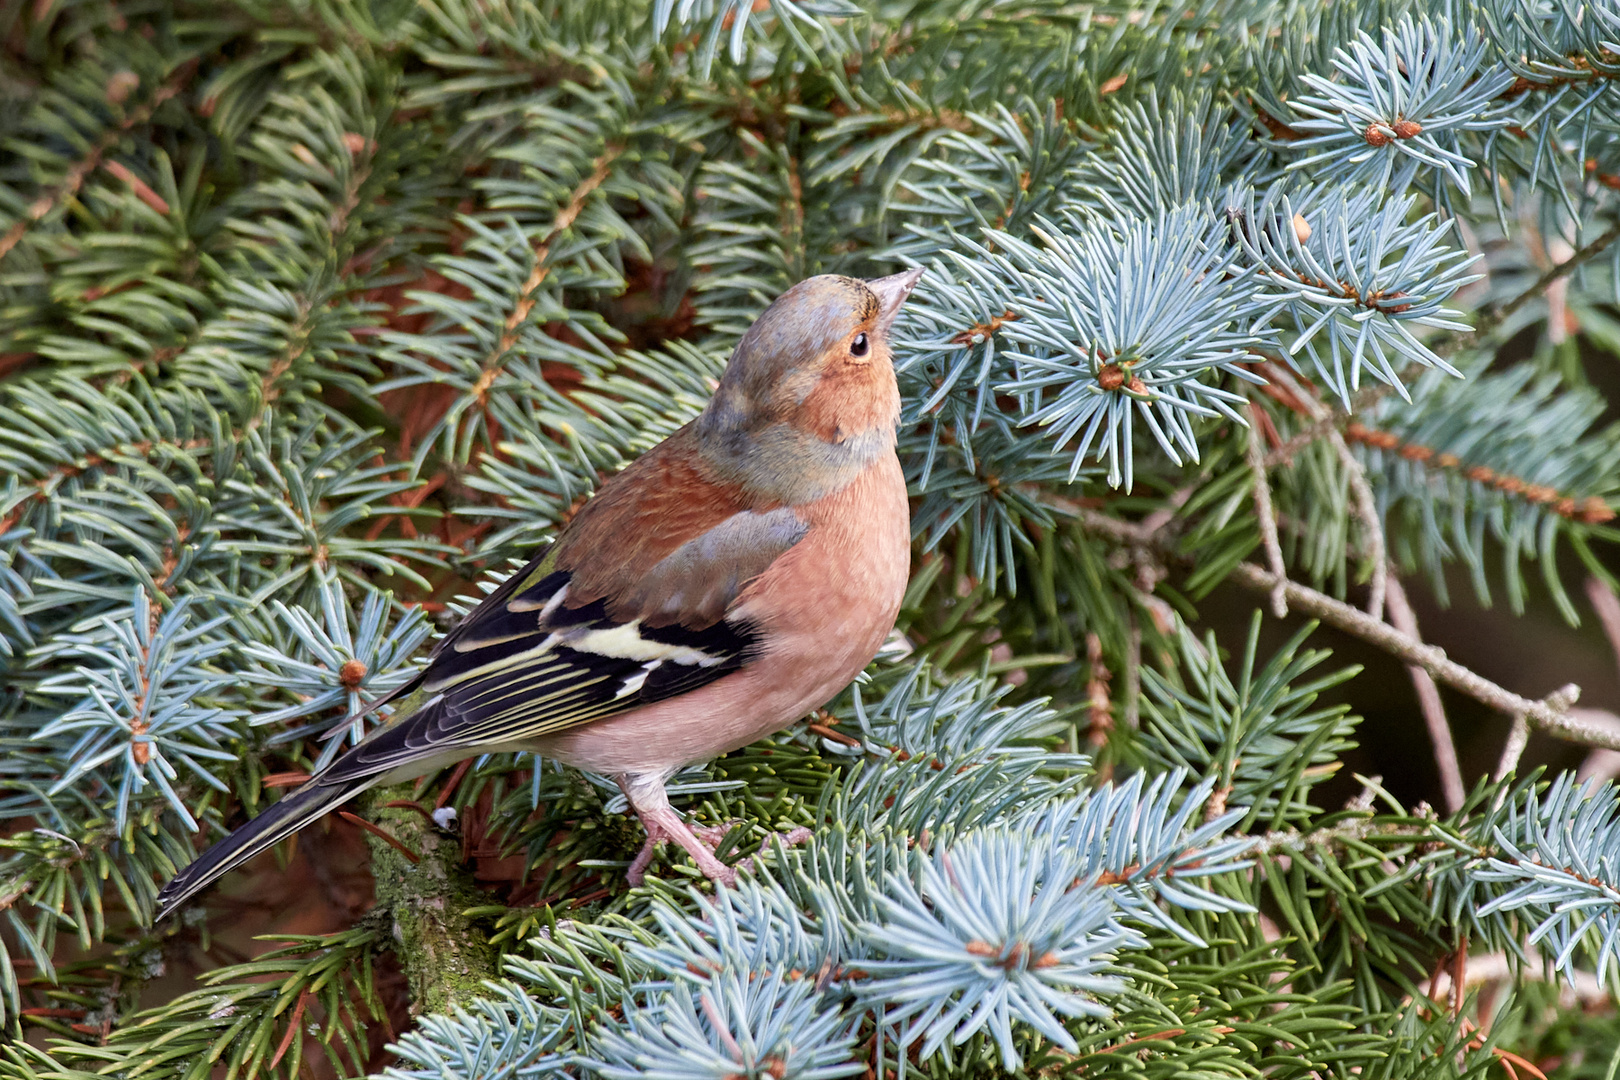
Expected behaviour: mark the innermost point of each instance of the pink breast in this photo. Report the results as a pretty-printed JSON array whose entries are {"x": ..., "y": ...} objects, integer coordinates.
[{"x": 825, "y": 607}]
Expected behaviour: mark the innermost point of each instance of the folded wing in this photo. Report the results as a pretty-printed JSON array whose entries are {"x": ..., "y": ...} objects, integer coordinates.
[{"x": 606, "y": 621}]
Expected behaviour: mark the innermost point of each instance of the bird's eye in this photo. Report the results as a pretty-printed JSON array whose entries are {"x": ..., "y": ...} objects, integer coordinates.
[{"x": 858, "y": 346}]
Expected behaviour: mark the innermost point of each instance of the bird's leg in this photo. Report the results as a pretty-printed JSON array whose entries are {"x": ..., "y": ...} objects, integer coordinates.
[
  {"x": 638, "y": 867},
  {"x": 645, "y": 791}
]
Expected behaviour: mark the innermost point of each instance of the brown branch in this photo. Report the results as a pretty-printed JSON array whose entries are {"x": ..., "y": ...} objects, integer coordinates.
[
  {"x": 1012, "y": 204},
  {"x": 298, "y": 336},
  {"x": 1279, "y": 128},
  {"x": 1607, "y": 606},
  {"x": 293, "y": 1027},
  {"x": 1366, "y": 507},
  {"x": 933, "y": 120},
  {"x": 1367, "y": 510},
  {"x": 1497, "y": 967},
  {"x": 1403, "y": 619},
  {"x": 1585, "y": 73},
  {"x": 793, "y": 208},
  {"x": 1599, "y": 763},
  {"x": 1100, "y": 710},
  {"x": 1284, "y": 454},
  {"x": 1575, "y": 261},
  {"x": 1115, "y": 529},
  {"x": 1319, "y": 428},
  {"x": 451, "y": 784},
  {"x": 1387, "y": 303},
  {"x": 1549, "y": 714},
  {"x": 1513, "y": 749},
  {"x": 1608, "y": 180},
  {"x": 529, "y": 293},
  {"x": 143, "y": 191},
  {"x": 1267, "y": 520},
  {"x": 1591, "y": 511},
  {"x": 828, "y": 733},
  {"x": 410, "y": 804}
]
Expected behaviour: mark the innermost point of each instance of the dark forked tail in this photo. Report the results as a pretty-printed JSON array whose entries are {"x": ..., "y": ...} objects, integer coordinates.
[{"x": 284, "y": 817}]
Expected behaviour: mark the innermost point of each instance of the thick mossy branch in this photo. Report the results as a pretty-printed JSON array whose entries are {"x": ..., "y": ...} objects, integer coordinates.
[{"x": 445, "y": 956}]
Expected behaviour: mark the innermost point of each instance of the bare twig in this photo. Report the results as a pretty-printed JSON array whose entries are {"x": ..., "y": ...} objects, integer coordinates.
[
  {"x": 1147, "y": 533},
  {"x": 1600, "y": 764},
  {"x": 63, "y": 193},
  {"x": 1428, "y": 694},
  {"x": 1574, "y": 262},
  {"x": 1280, "y": 373},
  {"x": 1561, "y": 700},
  {"x": 1367, "y": 510},
  {"x": 1325, "y": 423},
  {"x": 1364, "y": 799},
  {"x": 1512, "y": 750},
  {"x": 1325, "y": 419},
  {"x": 1607, "y": 607},
  {"x": 1548, "y": 715},
  {"x": 1268, "y": 521},
  {"x": 1291, "y": 842},
  {"x": 1432, "y": 659},
  {"x": 1115, "y": 529},
  {"x": 1557, "y": 294},
  {"x": 1284, "y": 454},
  {"x": 1164, "y": 515}
]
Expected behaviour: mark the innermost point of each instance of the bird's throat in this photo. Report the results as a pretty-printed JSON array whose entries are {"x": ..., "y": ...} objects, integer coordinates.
[{"x": 779, "y": 464}]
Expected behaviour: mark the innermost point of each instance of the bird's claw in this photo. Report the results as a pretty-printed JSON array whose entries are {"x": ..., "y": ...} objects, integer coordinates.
[{"x": 710, "y": 837}]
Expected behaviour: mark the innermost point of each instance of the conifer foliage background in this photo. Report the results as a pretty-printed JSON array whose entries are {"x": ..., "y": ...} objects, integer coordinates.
[{"x": 316, "y": 311}]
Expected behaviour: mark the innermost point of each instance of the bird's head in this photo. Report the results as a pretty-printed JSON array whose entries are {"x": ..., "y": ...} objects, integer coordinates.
[{"x": 809, "y": 397}]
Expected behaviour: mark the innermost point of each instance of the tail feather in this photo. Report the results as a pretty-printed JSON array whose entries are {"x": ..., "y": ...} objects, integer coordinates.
[{"x": 284, "y": 817}]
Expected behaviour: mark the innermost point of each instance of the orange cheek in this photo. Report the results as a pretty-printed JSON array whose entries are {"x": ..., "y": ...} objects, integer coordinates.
[{"x": 851, "y": 398}]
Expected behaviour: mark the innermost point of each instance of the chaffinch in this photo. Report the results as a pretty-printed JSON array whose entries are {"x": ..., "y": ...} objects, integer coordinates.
[{"x": 737, "y": 575}]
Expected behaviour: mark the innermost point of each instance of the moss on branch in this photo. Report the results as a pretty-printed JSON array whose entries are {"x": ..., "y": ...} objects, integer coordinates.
[{"x": 445, "y": 955}]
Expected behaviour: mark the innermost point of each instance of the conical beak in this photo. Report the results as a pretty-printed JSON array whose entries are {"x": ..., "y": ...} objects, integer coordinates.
[{"x": 892, "y": 292}]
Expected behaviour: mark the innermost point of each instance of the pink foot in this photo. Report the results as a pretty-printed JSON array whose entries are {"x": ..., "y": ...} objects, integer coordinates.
[
  {"x": 646, "y": 795},
  {"x": 645, "y": 791}
]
